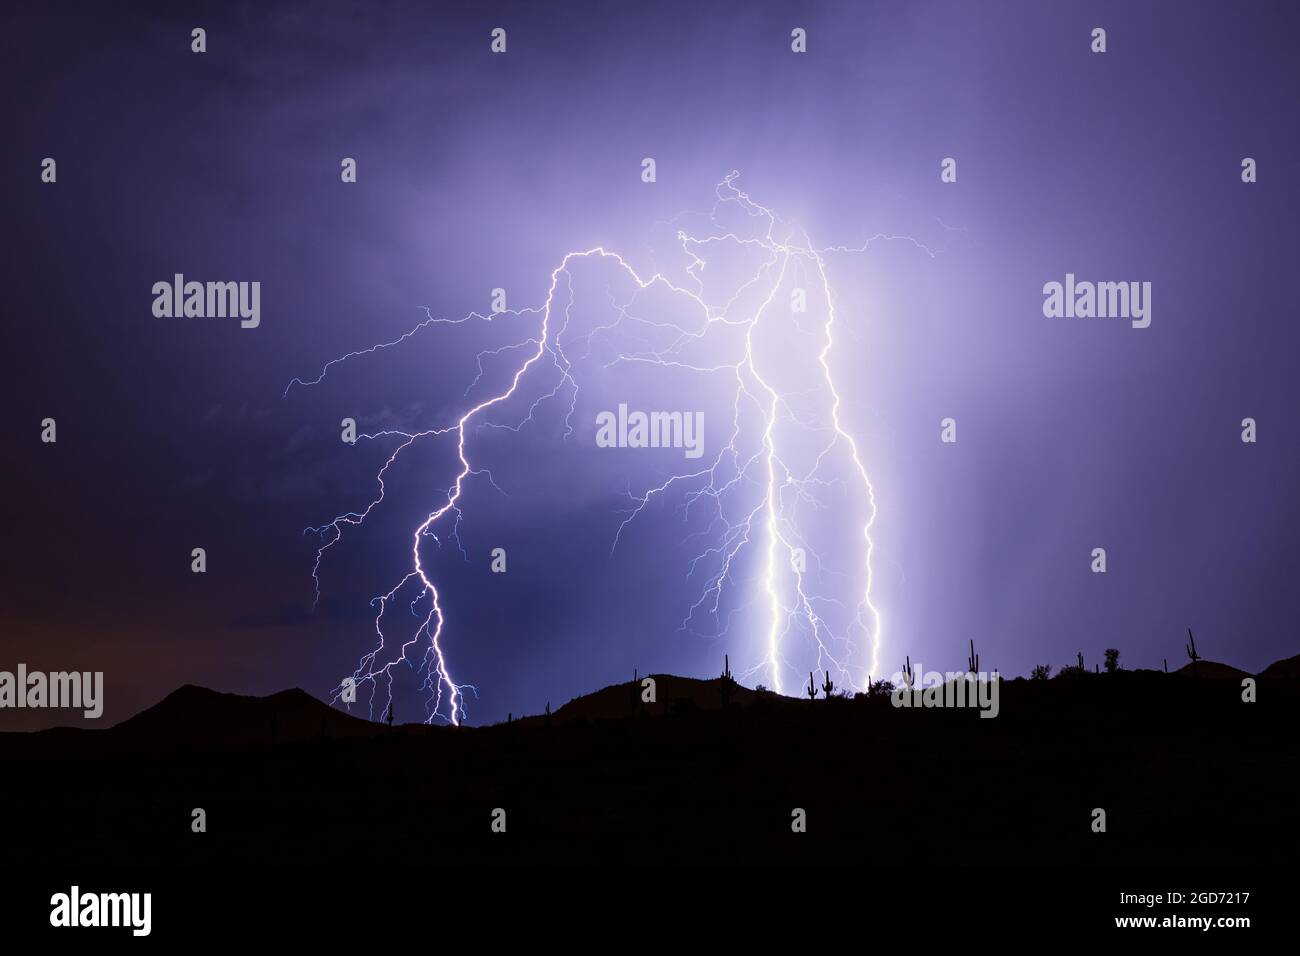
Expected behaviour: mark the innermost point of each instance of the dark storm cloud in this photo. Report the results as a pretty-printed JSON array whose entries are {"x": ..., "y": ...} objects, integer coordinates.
[{"x": 478, "y": 172}]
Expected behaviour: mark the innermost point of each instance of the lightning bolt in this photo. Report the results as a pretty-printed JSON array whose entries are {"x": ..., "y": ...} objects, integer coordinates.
[{"x": 754, "y": 486}]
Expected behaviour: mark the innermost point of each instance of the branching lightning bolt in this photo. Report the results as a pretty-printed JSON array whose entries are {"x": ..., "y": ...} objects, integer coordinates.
[{"x": 751, "y": 484}]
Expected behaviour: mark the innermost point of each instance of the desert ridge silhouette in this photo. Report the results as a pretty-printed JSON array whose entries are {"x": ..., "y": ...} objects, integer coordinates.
[{"x": 704, "y": 765}]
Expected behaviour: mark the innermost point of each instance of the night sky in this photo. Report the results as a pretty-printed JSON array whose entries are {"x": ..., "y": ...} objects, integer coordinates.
[{"x": 479, "y": 171}]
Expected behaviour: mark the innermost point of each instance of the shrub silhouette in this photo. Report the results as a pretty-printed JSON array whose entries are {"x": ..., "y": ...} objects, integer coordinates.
[{"x": 880, "y": 688}]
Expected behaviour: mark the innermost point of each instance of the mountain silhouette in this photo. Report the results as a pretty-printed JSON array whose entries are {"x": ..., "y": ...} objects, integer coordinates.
[
  {"x": 193, "y": 714},
  {"x": 1286, "y": 669},
  {"x": 198, "y": 716},
  {"x": 609, "y": 777},
  {"x": 1212, "y": 670},
  {"x": 672, "y": 694}
]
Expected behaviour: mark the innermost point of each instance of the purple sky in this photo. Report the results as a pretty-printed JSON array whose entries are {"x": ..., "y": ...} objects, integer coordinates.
[{"x": 479, "y": 171}]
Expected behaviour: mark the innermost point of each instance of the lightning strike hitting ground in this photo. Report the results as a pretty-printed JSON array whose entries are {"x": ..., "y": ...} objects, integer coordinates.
[{"x": 752, "y": 458}]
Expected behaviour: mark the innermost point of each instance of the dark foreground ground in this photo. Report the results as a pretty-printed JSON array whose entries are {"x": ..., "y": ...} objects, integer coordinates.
[{"x": 1186, "y": 772}]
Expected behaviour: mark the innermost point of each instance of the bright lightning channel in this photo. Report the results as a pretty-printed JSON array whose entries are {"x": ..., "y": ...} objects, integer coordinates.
[{"x": 769, "y": 519}]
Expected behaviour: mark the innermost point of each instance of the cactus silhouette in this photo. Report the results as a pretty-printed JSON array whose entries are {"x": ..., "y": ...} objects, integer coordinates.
[
  {"x": 1191, "y": 651},
  {"x": 829, "y": 686},
  {"x": 973, "y": 661},
  {"x": 812, "y": 688},
  {"x": 1166, "y": 660},
  {"x": 726, "y": 683},
  {"x": 1080, "y": 656},
  {"x": 907, "y": 672}
]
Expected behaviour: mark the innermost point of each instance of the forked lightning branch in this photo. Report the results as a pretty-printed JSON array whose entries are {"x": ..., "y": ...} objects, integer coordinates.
[{"x": 763, "y": 476}]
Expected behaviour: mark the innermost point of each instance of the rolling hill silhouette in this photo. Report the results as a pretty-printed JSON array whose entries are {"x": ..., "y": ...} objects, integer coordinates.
[
  {"x": 199, "y": 716},
  {"x": 672, "y": 695},
  {"x": 193, "y": 716},
  {"x": 607, "y": 777},
  {"x": 196, "y": 715},
  {"x": 1286, "y": 669},
  {"x": 1212, "y": 670}
]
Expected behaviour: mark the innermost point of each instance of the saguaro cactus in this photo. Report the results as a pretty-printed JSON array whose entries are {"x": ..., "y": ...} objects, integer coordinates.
[
  {"x": 907, "y": 672},
  {"x": 973, "y": 661},
  {"x": 829, "y": 686},
  {"x": 1080, "y": 656},
  {"x": 812, "y": 688},
  {"x": 726, "y": 683},
  {"x": 1191, "y": 651}
]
